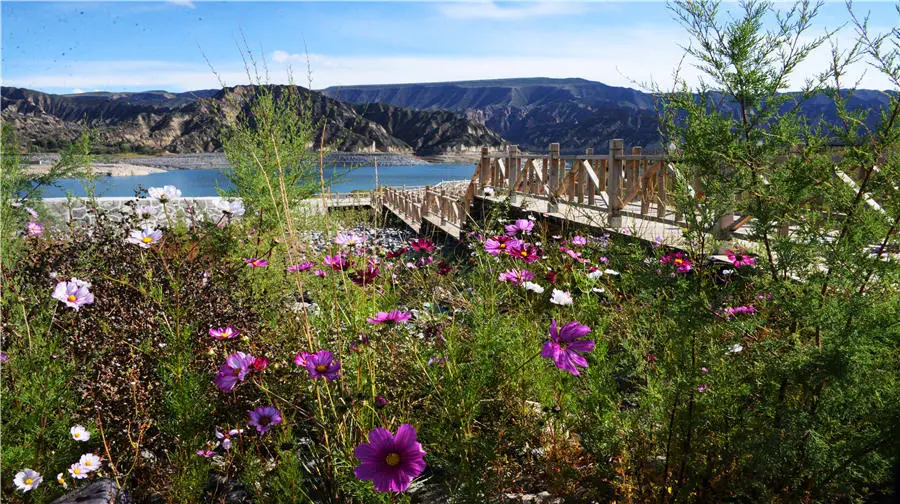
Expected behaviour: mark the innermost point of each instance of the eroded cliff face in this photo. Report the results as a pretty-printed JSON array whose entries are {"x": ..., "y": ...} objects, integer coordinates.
[{"x": 160, "y": 122}]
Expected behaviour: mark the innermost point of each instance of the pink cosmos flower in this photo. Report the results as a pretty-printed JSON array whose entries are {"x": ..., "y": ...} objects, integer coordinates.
[
  {"x": 579, "y": 240},
  {"x": 320, "y": 273},
  {"x": 337, "y": 262},
  {"x": 730, "y": 311},
  {"x": 260, "y": 363},
  {"x": 322, "y": 364},
  {"x": 235, "y": 368},
  {"x": 740, "y": 258},
  {"x": 224, "y": 332},
  {"x": 73, "y": 293},
  {"x": 390, "y": 462},
  {"x": 349, "y": 239},
  {"x": 304, "y": 266},
  {"x": 205, "y": 453},
  {"x": 225, "y": 437},
  {"x": 264, "y": 417},
  {"x": 392, "y": 317},
  {"x": 300, "y": 358},
  {"x": 516, "y": 277},
  {"x": 397, "y": 253},
  {"x": 498, "y": 244},
  {"x": 422, "y": 245},
  {"x": 34, "y": 228},
  {"x": 565, "y": 344},
  {"x": 254, "y": 262},
  {"x": 682, "y": 264},
  {"x": 573, "y": 254},
  {"x": 523, "y": 225},
  {"x": 702, "y": 387}
]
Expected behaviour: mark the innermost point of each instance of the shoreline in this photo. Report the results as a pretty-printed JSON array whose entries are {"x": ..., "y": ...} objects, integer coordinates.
[{"x": 125, "y": 166}]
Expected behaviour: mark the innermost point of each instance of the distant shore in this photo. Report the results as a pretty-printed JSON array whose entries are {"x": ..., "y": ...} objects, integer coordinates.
[{"x": 128, "y": 166}]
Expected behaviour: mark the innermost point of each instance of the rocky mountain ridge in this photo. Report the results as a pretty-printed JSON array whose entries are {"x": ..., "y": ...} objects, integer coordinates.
[{"x": 158, "y": 122}]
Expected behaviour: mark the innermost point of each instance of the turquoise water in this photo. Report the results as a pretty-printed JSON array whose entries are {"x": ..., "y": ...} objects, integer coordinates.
[{"x": 205, "y": 182}]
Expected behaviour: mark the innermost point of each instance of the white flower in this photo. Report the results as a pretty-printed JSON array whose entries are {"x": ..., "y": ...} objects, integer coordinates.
[
  {"x": 145, "y": 237},
  {"x": 31, "y": 212},
  {"x": 78, "y": 471},
  {"x": 611, "y": 272},
  {"x": 236, "y": 208},
  {"x": 598, "y": 290},
  {"x": 165, "y": 193},
  {"x": 593, "y": 275},
  {"x": 79, "y": 433},
  {"x": 61, "y": 480},
  {"x": 488, "y": 191},
  {"x": 145, "y": 211},
  {"x": 533, "y": 287},
  {"x": 727, "y": 272},
  {"x": 561, "y": 298},
  {"x": 27, "y": 479},
  {"x": 736, "y": 348},
  {"x": 90, "y": 462}
]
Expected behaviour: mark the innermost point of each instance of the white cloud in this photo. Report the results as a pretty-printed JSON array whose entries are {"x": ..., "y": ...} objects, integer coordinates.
[
  {"x": 493, "y": 10},
  {"x": 183, "y": 3}
]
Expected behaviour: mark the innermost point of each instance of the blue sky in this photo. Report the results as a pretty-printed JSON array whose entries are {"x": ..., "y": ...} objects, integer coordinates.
[{"x": 81, "y": 46}]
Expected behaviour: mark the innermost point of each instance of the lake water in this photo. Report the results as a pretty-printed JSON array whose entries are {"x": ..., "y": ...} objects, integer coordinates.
[{"x": 194, "y": 183}]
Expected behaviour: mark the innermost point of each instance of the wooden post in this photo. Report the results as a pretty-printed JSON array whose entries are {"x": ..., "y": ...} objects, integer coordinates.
[
  {"x": 591, "y": 190},
  {"x": 661, "y": 190},
  {"x": 555, "y": 171},
  {"x": 443, "y": 208},
  {"x": 512, "y": 169},
  {"x": 484, "y": 167},
  {"x": 614, "y": 182}
]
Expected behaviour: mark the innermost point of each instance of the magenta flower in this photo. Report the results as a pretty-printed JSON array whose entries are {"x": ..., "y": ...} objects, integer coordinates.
[
  {"x": 320, "y": 273},
  {"x": 254, "y": 262},
  {"x": 573, "y": 254},
  {"x": 304, "y": 266},
  {"x": 34, "y": 228},
  {"x": 73, "y": 293},
  {"x": 235, "y": 368},
  {"x": 740, "y": 258},
  {"x": 730, "y": 311},
  {"x": 565, "y": 344},
  {"x": 579, "y": 241},
  {"x": 393, "y": 317},
  {"x": 397, "y": 253},
  {"x": 390, "y": 462},
  {"x": 365, "y": 276},
  {"x": 322, "y": 364},
  {"x": 522, "y": 250},
  {"x": 260, "y": 363},
  {"x": 422, "y": 245},
  {"x": 224, "y": 332},
  {"x": 264, "y": 417},
  {"x": 523, "y": 225},
  {"x": 682, "y": 264},
  {"x": 205, "y": 453},
  {"x": 516, "y": 277},
  {"x": 337, "y": 262}
]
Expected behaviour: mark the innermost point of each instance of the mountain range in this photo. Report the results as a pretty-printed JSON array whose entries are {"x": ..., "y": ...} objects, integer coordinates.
[{"x": 421, "y": 119}]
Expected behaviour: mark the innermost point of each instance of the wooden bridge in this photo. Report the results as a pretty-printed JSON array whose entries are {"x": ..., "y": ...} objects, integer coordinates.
[{"x": 629, "y": 193}]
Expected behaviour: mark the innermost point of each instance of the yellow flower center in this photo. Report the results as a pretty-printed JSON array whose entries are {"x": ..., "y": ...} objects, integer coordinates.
[
  {"x": 77, "y": 435},
  {"x": 392, "y": 459},
  {"x": 87, "y": 463},
  {"x": 503, "y": 245},
  {"x": 76, "y": 470},
  {"x": 147, "y": 239},
  {"x": 28, "y": 481},
  {"x": 679, "y": 261},
  {"x": 524, "y": 253},
  {"x": 321, "y": 368},
  {"x": 71, "y": 298}
]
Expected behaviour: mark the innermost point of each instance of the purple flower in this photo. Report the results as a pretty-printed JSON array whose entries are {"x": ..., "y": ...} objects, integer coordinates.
[
  {"x": 254, "y": 262},
  {"x": 225, "y": 437},
  {"x": 389, "y": 461},
  {"x": 730, "y": 311},
  {"x": 499, "y": 244},
  {"x": 337, "y": 262},
  {"x": 304, "y": 266},
  {"x": 523, "y": 225},
  {"x": 264, "y": 417},
  {"x": 380, "y": 402},
  {"x": 145, "y": 237},
  {"x": 392, "y": 317},
  {"x": 322, "y": 364},
  {"x": 205, "y": 453},
  {"x": 565, "y": 344},
  {"x": 235, "y": 368},
  {"x": 224, "y": 332},
  {"x": 73, "y": 293},
  {"x": 320, "y": 273},
  {"x": 579, "y": 241},
  {"x": 516, "y": 277},
  {"x": 4, "y": 357}
]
